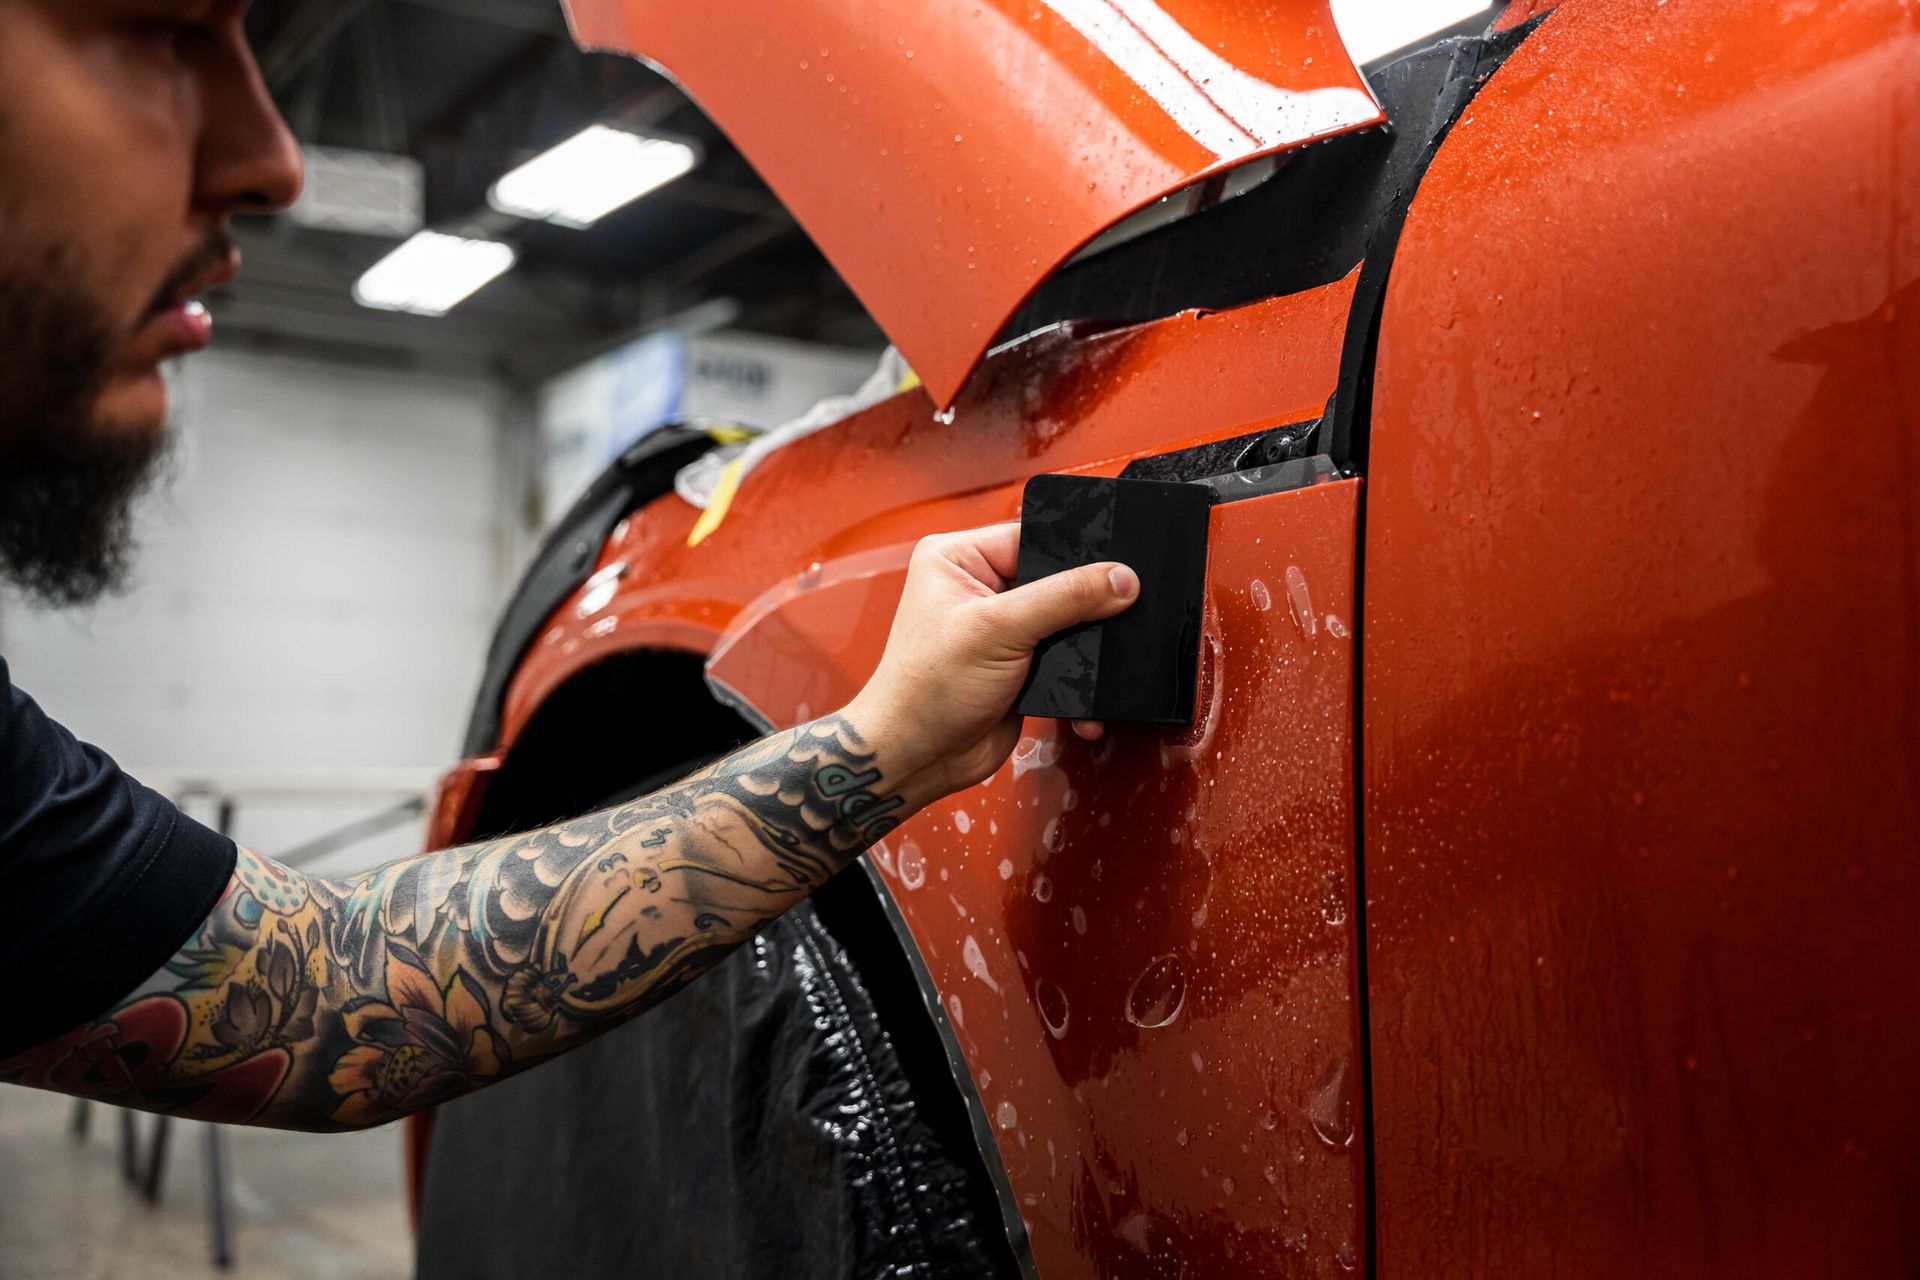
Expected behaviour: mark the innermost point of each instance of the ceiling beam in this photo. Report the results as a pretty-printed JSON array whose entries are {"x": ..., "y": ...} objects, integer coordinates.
[{"x": 305, "y": 34}]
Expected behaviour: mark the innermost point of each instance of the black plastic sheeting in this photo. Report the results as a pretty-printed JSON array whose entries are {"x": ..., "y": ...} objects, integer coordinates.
[{"x": 761, "y": 1125}]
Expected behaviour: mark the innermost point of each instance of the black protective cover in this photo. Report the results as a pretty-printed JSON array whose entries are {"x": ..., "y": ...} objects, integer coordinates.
[
  {"x": 1141, "y": 665},
  {"x": 767, "y": 1123}
]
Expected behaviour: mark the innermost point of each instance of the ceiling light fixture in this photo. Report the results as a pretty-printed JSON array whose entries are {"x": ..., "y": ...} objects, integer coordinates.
[
  {"x": 1374, "y": 27},
  {"x": 432, "y": 273},
  {"x": 591, "y": 174}
]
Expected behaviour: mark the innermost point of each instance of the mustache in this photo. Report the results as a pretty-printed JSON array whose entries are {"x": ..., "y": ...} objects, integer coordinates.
[{"x": 208, "y": 256}]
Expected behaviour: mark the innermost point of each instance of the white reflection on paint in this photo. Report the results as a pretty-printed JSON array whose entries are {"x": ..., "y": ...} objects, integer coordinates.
[
  {"x": 1373, "y": 27},
  {"x": 1223, "y": 108}
]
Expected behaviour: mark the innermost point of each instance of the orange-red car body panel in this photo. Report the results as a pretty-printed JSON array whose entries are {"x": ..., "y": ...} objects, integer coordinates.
[
  {"x": 1632, "y": 679},
  {"x": 1643, "y": 657},
  {"x": 1110, "y": 928},
  {"x": 947, "y": 157}
]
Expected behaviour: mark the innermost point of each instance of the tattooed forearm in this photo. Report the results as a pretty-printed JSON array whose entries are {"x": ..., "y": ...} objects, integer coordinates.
[{"x": 309, "y": 1003}]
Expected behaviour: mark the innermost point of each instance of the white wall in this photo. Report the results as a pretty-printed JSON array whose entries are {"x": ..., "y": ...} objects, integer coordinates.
[
  {"x": 315, "y": 592},
  {"x": 590, "y": 414}
]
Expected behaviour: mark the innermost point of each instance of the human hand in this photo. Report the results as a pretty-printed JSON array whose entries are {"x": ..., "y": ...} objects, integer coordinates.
[{"x": 942, "y": 697}]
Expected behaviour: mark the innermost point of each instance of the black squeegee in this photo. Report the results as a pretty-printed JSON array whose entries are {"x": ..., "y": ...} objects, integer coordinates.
[{"x": 1142, "y": 665}]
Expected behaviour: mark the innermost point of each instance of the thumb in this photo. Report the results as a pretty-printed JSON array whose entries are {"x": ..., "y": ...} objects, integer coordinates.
[{"x": 1027, "y": 615}]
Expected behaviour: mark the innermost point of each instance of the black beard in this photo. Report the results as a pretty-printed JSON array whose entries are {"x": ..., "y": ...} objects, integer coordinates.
[{"x": 67, "y": 484}]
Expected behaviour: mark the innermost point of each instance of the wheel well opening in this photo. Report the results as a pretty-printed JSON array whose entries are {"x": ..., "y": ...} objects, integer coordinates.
[{"x": 612, "y": 724}]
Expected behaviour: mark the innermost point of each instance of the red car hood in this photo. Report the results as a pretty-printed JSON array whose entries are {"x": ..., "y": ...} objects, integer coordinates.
[{"x": 948, "y": 155}]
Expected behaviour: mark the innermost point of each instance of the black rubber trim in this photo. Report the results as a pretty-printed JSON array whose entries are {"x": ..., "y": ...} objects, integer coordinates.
[
  {"x": 1470, "y": 63},
  {"x": 1309, "y": 225},
  {"x": 1438, "y": 83},
  {"x": 1217, "y": 457},
  {"x": 1257, "y": 465},
  {"x": 641, "y": 474}
]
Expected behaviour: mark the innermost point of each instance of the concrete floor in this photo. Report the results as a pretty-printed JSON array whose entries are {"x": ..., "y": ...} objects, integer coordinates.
[{"x": 302, "y": 1207}]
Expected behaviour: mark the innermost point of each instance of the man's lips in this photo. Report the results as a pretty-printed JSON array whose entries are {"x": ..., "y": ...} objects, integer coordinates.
[
  {"x": 178, "y": 324},
  {"x": 171, "y": 331}
]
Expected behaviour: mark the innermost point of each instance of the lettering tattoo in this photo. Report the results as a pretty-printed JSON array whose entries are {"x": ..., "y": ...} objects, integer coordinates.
[{"x": 324, "y": 1004}]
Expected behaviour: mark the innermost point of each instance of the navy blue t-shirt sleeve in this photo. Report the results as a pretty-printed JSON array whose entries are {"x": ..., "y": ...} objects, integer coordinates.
[{"x": 101, "y": 879}]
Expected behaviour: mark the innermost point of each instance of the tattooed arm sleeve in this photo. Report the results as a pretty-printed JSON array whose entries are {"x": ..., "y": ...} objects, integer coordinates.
[{"x": 315, "y": 1004}]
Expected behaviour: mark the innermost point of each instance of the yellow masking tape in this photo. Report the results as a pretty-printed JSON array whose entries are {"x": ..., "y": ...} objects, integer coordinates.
[{"x": 723, "y": 491}]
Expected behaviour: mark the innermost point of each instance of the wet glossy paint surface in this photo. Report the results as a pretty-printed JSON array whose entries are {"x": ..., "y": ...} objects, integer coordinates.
[
  {"x": 1145, "y": 946},
  {"x": 1642, "y": 708},
  {"x": 1640, "y": 704},
  {"x": 947, "y": 157},
  {"x": 792, "y": 600},
  {"x": 894, "y": 473}
]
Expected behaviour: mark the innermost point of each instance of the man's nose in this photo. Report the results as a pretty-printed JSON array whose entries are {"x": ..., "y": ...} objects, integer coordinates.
[{"x": 248, "y": 161}]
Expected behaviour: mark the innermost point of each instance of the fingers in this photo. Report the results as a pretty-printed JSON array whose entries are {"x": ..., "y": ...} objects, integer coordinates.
[
  {"x": 990, "y": 555},
  {"x": 1000, "y": 544},
  {"x": 1023, "y": 617}
]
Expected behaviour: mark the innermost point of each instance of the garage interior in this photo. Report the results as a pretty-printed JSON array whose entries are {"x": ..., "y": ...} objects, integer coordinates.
[{"x": 514, "y": 261}]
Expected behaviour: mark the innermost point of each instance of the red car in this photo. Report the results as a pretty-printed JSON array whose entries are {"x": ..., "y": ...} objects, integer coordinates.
[{"x": 1535, "y": 892}]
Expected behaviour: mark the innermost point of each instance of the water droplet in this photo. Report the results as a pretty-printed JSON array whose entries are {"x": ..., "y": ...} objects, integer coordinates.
[
  {"x": 1052, "y": 1003},
  {"x": 955, "y": 1012},
  {"x": 1262, "y": 598},
  {"x": 1080, "y": 921},
  {"x": 1149, "y": 1235},
  {"x": 962, "y": 821},
  {"x": 1330, "y": 1110},
  {"x": 1006, "y": 868},
  {"x": 1035, "y": 753},
  {"x": 1333, "y": 899},
  {"x": 1042, "y": 889},
  {"x": 1336, "y": 628},
  {"x": 1270, "y": 1121},
  {"x": 944, "y": 417},
  {"x": 809, "y": 577},
  {"x": 1070, "y": 801},
  {"x": 913, "y": 864},
  {"x": 1182, "y": 1137},
  {"x": 1052, "y": 839},
  {"x": 1005, "y": 1116},
  {"x": 1227, "y": 1184},
  {"x": 1158, "y": 993},
  {"x": 1344, "y": 1255},
  {"x": 1300, "y": 603},
  {"x": 976, "y": 962}
]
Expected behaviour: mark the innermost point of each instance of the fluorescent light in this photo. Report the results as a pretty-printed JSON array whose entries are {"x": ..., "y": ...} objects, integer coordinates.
[
  {"x": 432, "y": 273},
  {"x": 1374, "y": 27},
  {"x": 590, "y": 175}
]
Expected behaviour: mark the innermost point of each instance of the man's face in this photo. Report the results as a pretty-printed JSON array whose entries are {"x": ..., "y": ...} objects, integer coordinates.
[{"x": 132, "y": 130}]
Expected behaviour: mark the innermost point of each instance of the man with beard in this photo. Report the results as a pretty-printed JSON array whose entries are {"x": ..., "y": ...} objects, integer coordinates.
[{"x": 151, "y": 963}]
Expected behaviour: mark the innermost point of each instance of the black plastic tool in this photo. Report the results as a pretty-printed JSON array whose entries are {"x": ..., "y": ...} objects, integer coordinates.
[{"x": 1142, "y": 665}]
